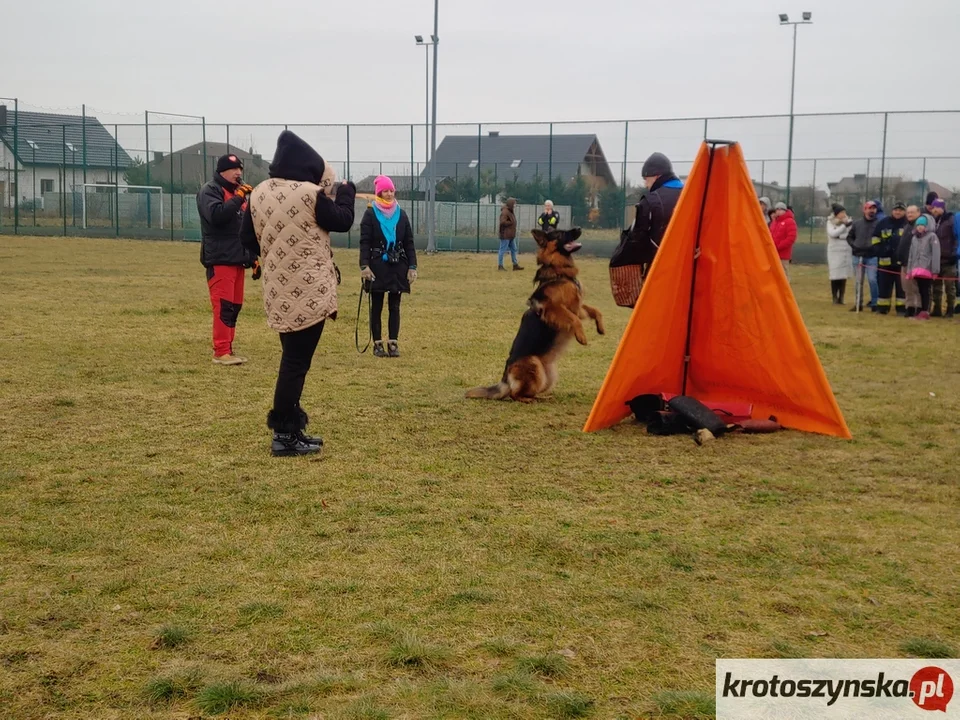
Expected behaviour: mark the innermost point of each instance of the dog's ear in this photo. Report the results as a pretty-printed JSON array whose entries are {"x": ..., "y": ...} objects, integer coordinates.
[
  {"x": 540, "y": 236},
  {"x": 574, "y": 233}
]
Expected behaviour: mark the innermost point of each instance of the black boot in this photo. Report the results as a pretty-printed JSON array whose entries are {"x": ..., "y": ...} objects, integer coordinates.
[
  {"x": 393, "y": 349},
  {"x": 834, "y": 292},
  {"x": 936, "y": 311},
  {"x": 286, "y": 436},
  {"x": 911, "y": 312},
  {"x": 378, "y": 350},
  {"x": 304, "y": 421},
  {"x": 841, "y": 289}
]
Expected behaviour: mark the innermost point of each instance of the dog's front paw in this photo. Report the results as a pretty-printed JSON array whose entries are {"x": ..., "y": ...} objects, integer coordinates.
[
  {"x": 581, "y": 338},
  {"x": 601, "y": 330}
]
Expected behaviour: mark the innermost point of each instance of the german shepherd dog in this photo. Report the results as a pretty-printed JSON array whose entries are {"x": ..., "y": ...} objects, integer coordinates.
[{"x": 556, "y": 308}]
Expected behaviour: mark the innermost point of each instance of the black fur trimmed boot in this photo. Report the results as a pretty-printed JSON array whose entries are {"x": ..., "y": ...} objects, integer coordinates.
[
  {"x": 393, "y": 349},
  {"x": 287, "y": 441},
  {"x": 378, "y": 349}
]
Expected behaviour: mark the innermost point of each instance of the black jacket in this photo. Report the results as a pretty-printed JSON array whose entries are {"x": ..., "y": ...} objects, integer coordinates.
[
  {"x": 906, "y": 240},
  {"x": 390, "y": 277},
  {"x": 220, "y": 216},
  {"x": 654, "y": 212},
  {"x": 886, "y": 239},
  {"x": 549, "y": 221},
  {"x": 947, "y": 234}
]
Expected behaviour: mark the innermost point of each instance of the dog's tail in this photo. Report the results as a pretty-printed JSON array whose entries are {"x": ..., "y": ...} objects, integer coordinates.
[{"x": 500, "y": 391}]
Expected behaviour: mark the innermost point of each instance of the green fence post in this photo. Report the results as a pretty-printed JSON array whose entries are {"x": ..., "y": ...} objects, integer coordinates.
[
  {"x": 16, "y": 170},
  {"x": 34, "y": 187},
  {"x": 146, "y": 134},
  {"x": 350, "y": 231},
  {"x": 116, "y": 180},
  {"x": 228, "y": 138},
  {"x": 413, "y": 202},
  {"x": 83, "y": 127},
  {"x": 623, "y": 176},
  {"x": 705, "y": 132},
  {"x": 923, "y": 182},
  {"x": 813, "y": 198},
  {"x": 171, "y": 183},
  {"x": 182, "y": 219},
  {"x": 550, "y": 165},
  {"x": 883, "y": 156},
  {"x": 63, "y": 184},
  {"x": 866, "y": 187},
  {"x": 203, "y": 122},
  {"x": 479, "y": 188}
]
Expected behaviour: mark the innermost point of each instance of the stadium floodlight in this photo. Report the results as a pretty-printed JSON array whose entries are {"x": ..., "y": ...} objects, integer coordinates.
[
  {"x": 785, "y": 20},
  {"x": 419, "y": 39}
]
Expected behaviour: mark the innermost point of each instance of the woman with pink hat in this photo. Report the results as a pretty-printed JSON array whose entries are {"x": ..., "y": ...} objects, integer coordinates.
[{"x": 388, "y": 262}]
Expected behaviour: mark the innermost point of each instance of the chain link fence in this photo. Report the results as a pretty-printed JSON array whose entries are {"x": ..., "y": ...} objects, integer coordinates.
[{"x": 78, "y": 173}]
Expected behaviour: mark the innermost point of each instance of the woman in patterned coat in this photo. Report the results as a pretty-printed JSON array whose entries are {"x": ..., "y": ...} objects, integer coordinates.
[{"x": 288, "y": 224}]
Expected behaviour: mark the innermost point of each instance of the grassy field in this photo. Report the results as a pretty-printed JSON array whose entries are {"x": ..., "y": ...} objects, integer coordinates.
[{"x": 445, "y": 558}]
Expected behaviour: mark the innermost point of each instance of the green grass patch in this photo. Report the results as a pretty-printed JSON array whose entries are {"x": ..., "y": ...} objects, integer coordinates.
[
  {"x": 926, "y": 648},
  {"x": 442, "y": 553}
]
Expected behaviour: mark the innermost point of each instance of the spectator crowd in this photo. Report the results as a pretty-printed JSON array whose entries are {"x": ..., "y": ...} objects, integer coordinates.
[{"x": 907, "y": 260}]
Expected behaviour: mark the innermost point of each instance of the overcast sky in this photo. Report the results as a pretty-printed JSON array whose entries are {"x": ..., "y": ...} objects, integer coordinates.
[{"x": 304, "y": 61}]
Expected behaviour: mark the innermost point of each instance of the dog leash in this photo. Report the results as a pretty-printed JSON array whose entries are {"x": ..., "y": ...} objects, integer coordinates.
[{"x": 364, "y": 290}]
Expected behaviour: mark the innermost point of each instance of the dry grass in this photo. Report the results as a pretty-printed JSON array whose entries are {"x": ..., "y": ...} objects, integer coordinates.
[{"x": 155, "y": 562}]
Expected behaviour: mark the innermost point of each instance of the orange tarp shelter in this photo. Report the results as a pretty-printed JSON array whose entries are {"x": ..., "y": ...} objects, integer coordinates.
[{"x": 716, "y": 319}]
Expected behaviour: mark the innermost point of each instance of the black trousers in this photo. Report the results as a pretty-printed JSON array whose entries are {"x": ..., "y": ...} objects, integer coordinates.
[
  {"x": 393, "y": 316},
  {"x": 298, "y": 348},
  {"x": 924, "y": 285}
]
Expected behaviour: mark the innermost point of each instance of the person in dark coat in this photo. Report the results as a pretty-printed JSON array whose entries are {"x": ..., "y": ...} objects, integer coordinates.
[
  {"x": 889, "y": 232},
  {"x": 948, "y": 232},
  {"x": 654, "y": 212},
  {"x": 865, "y": 262},
  {"x": 388, "y": 262},
  {"x": 508, "y": 234},
  {"x": 221, "y": 203}
]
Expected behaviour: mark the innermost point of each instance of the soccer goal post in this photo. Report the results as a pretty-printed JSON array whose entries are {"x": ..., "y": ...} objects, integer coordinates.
[{"x": 104, "y": 188}]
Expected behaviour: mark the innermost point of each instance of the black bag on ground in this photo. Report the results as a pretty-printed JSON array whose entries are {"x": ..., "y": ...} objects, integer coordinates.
[{"x": 697, "y": 415}]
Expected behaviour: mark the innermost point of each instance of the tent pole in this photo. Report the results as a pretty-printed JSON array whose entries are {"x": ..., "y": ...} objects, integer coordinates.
[{"x": 693, "y": 280}]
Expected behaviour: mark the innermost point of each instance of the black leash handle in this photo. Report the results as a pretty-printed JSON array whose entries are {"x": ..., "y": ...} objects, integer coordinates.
[{"x": 364, "y": 290}]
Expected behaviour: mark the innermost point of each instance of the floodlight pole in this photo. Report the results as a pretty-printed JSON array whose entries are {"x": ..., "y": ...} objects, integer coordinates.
[
  {"x": 784, "y": 20},
  {"x": 432, "y": 174}
]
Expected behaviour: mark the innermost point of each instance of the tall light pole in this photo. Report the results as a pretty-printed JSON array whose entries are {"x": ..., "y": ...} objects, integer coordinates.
[
  {"x": 426, "y": 95},
  {"x": 432, "y": 173},
  {"x": 785, "y": 20}
]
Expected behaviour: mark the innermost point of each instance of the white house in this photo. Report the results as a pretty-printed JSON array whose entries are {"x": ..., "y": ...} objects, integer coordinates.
[{"x": 52, "y": 153}]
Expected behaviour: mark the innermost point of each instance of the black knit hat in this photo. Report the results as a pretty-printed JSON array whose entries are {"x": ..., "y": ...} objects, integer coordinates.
[
  {"x": 229, "y": 162},
  {"x": 900, "y": 206},
  {"x": 837, "y": 208},
  {"x": 656, "y": 165},
  {"x": 296, "y": 160},
  {"x": 931, "y": 196}
]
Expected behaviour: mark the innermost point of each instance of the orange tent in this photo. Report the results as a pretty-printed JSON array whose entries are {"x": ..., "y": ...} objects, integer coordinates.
[{"x": 716, "y": 319}]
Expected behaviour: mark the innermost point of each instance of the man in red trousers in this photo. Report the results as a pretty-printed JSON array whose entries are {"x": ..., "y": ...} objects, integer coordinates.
[{"x": 221, "y": 203}]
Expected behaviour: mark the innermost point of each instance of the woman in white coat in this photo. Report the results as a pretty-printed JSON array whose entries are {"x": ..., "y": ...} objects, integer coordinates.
[{"x": 839, "y": 255}]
